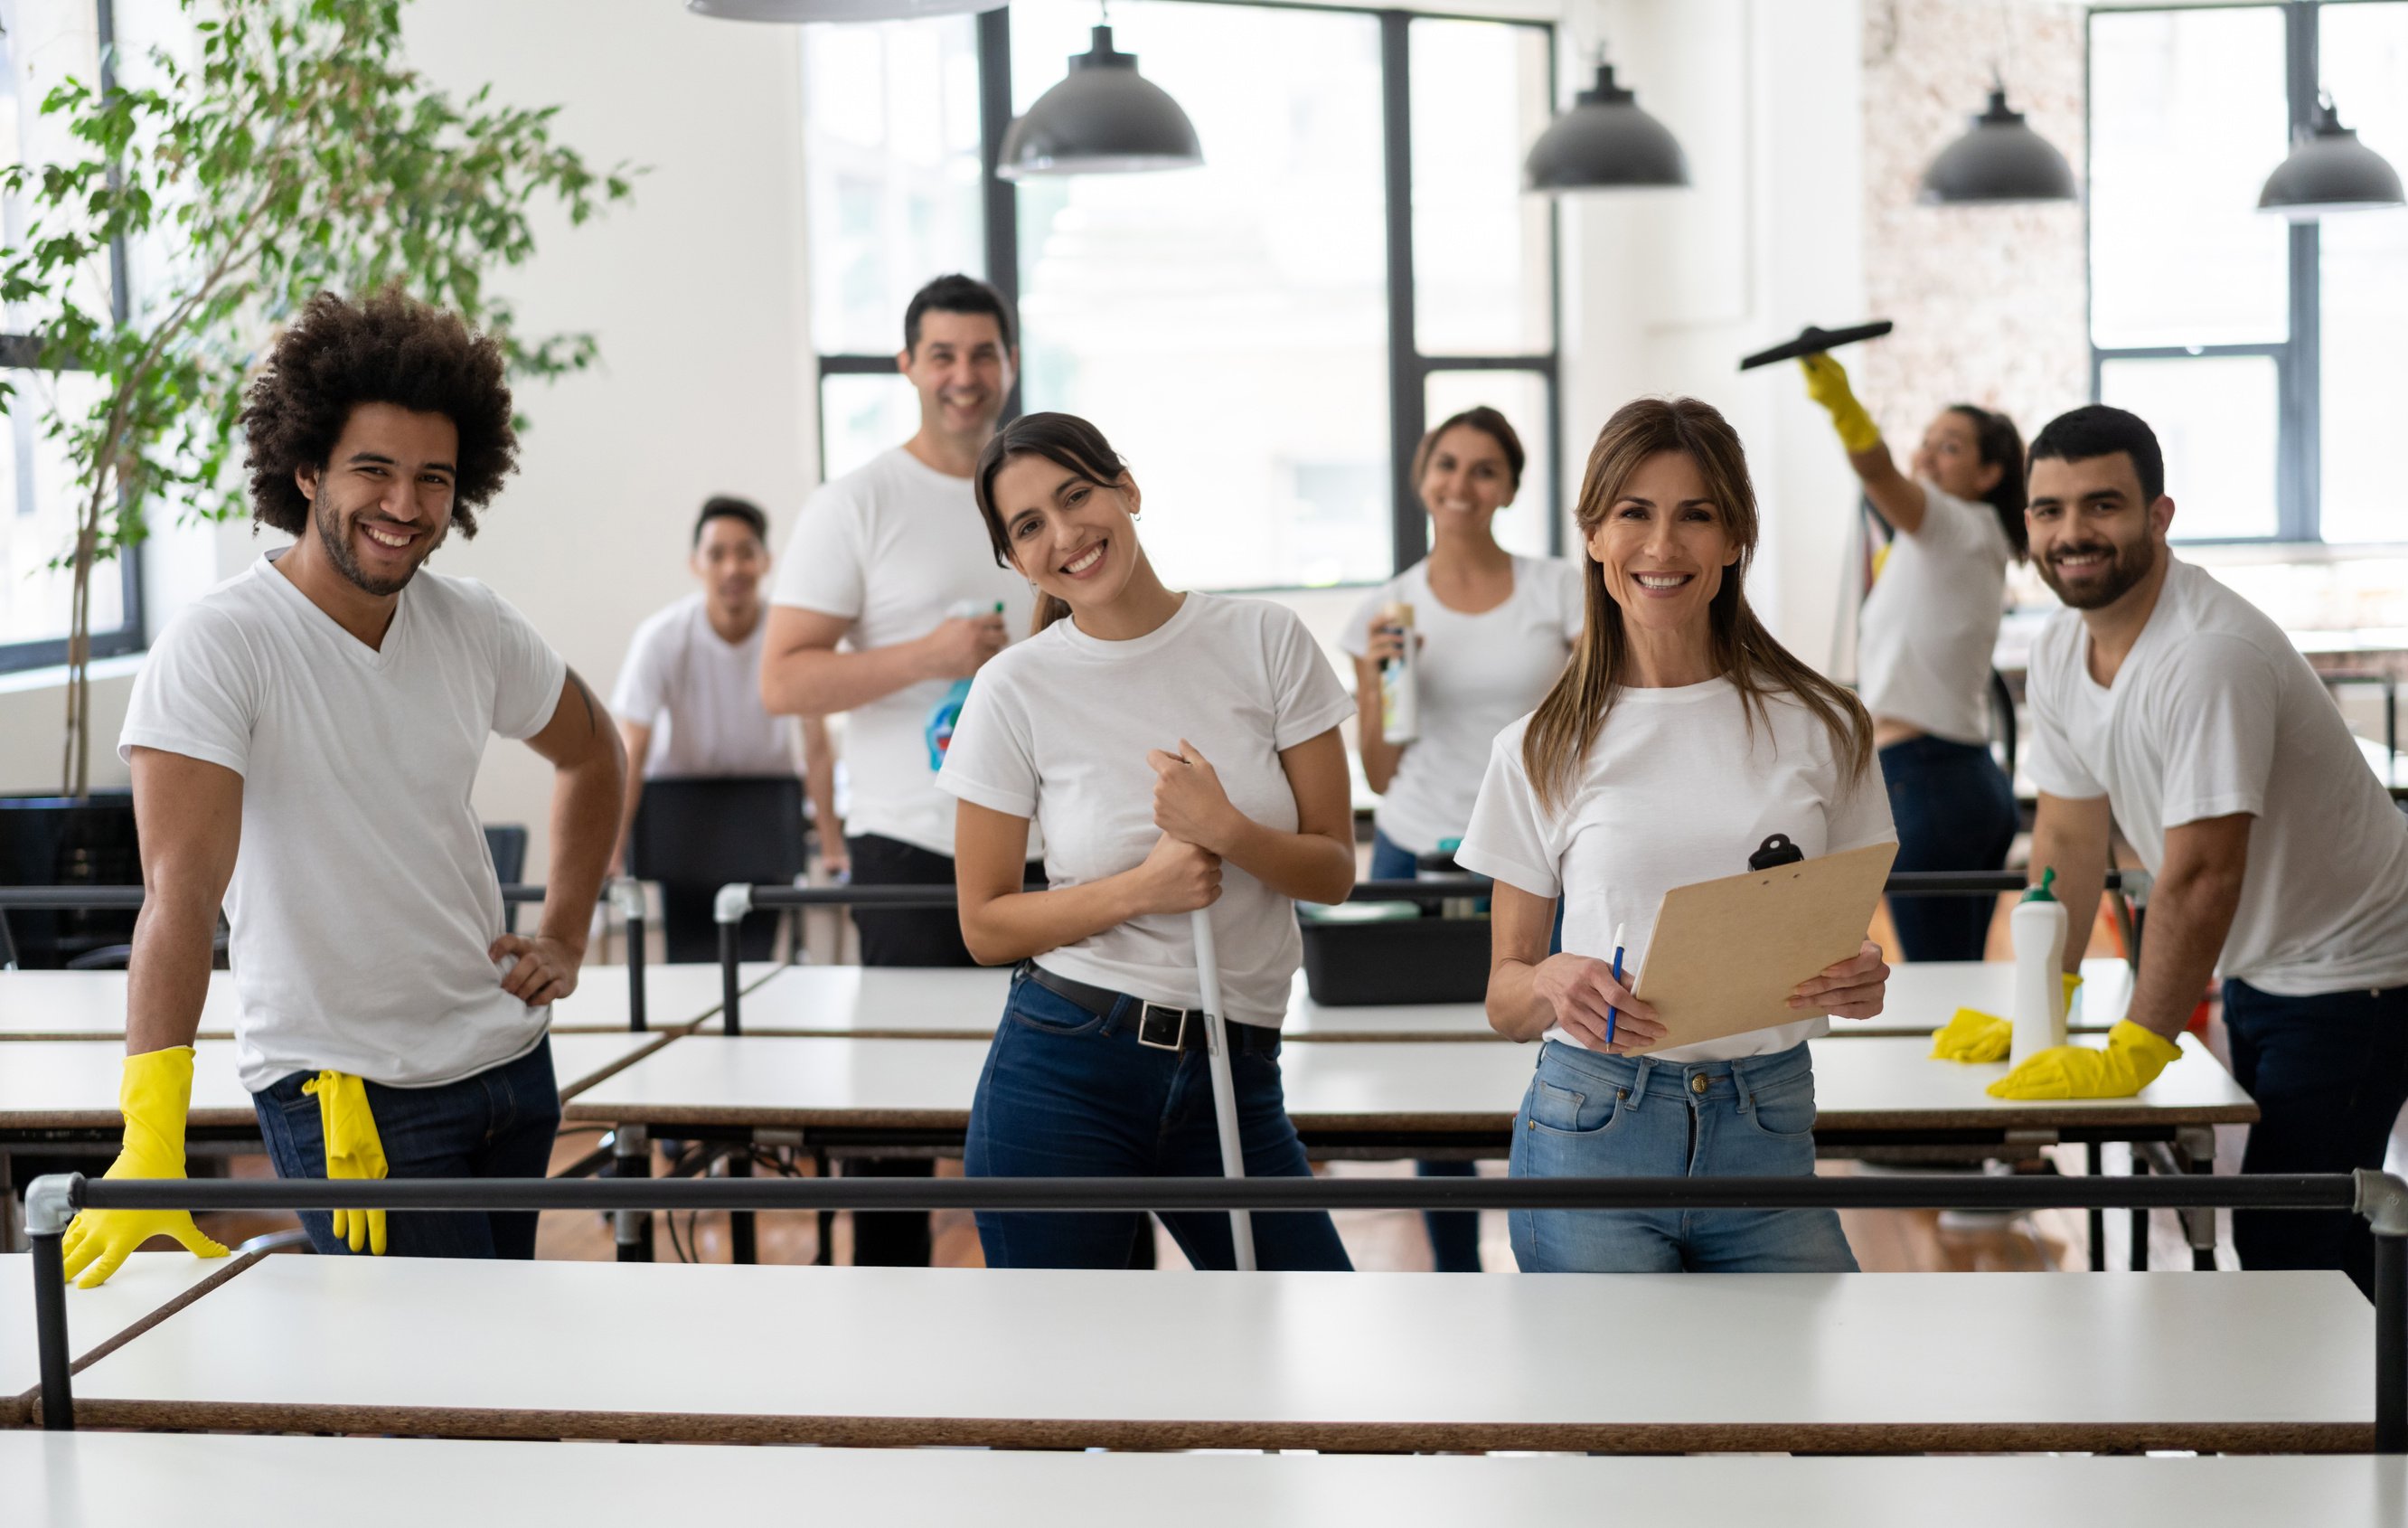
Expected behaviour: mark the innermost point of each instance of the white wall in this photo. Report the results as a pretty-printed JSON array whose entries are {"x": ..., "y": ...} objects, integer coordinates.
[{"x": 1664, "y": 291}]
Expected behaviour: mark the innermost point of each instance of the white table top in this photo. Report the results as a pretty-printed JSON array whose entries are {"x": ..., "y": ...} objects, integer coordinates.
[
  {"x": 2243, "y": 1360},
  {"x": 73, "y": 1003},
  {"x": 896, "y": 1003},
  {"x": 1870, "y": 1083},
  {"x": 232, "y": 1481},
  {"x": 675, "y": 997},
  {"x": 875, "y": 1000},
  {"x": 72, "y": 1084},
  {"x": 59, "y": 1004},
  {"x": 148, "y": 1281}
]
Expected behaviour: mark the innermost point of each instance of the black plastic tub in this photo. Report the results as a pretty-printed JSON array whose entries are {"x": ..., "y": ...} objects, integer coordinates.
[{"x": 1400, "y": 961}]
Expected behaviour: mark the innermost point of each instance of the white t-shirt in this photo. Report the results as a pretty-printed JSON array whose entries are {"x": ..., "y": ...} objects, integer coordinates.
[
  {"x": 892, "y": 547},
  {"x": 1475, "y": 674},
  {"x": 1677, "y": 790},
  {"x": 701, "y": 696},
  {"x": 2216, "y": 712},
  {"x": 1057, "y": 729},
  {"x": 1925, "y": 633},
  {"x": 363, "y": 900}
]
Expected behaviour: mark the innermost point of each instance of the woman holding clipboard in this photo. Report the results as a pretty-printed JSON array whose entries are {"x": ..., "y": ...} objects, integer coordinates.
[{"x": 1681, "y": 737}]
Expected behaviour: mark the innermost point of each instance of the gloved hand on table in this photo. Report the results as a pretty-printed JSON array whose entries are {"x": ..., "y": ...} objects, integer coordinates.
[
  {"x": 155, "y": 1092},
  {"x": 1826, "y": 383},
  {"x": 2132, "y": 1060},
  {"x": 1973, "y": 1036},
  {"x": 354, "y": 1150}
]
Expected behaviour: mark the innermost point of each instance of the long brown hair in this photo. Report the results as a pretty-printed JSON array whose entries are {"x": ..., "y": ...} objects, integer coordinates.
[
  {"x": 1069, "y": 443},
  {"x": 1565, "y": 725}
]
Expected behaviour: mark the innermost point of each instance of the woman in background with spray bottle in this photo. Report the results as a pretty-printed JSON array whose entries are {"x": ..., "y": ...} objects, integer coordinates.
[{"x": 1448, "y": 654}]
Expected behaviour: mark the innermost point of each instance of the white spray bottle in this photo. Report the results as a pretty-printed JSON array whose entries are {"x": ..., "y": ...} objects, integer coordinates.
[{"x": 2038, "y": 929}]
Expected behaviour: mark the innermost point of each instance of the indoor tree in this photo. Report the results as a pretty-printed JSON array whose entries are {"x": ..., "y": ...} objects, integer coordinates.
[{"x": 290, "y": 150}]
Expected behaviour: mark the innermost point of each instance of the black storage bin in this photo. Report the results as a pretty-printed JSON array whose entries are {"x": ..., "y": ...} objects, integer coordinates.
[{"x": 1401, "y": 960}]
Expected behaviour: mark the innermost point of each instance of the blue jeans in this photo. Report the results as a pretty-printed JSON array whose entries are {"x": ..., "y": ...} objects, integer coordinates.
[
  {"x": 1592, "y": 1115},
  {"x": 497, "y": 1124},
  {"x": 1955, "y": 810},
  {"x": 1067, "y": 1093},
  {"x": 2330, "y": 1073}
]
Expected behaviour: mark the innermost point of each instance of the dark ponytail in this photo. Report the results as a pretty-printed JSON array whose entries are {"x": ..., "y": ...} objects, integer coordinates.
[
  {"x": 1068, "y": 442},
  {"x": 2004, "y": 449}
]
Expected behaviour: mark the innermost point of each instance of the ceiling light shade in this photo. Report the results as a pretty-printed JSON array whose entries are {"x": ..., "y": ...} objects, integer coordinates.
[
  {"x": 1604, "y": 142},
  {"x": 2330, "y": 171},
  {"x": 793, "y": 11},
  {"x": 2000, "y": 159},
  {"x": 1103, "y": 118}
]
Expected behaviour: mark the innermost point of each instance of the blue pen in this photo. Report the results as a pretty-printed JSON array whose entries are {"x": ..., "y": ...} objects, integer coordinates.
[{"x": 1610, "y": 1012}]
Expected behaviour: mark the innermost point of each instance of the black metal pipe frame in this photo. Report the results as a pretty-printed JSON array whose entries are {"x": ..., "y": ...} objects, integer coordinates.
[
  {"x": 52, "y": 1203},
  {"x": 117, "y": 898}
]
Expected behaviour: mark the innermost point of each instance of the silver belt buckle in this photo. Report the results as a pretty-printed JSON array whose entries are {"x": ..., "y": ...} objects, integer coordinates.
[{"x": 1153, "y": 1018}]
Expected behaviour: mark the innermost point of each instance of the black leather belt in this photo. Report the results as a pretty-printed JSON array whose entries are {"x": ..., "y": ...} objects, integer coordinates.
[{"x": 1159, "y": 1026}]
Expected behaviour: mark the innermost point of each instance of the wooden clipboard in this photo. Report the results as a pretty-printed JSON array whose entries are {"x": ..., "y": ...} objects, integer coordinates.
[{"x": 1725, "y": 954}]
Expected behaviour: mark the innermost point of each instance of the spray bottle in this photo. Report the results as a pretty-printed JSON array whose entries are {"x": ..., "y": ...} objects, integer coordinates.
[
  {"x": 1400, "y": 712},
  {"x": 938, "y": 733},
  {"x": 2037, "y": 927}
]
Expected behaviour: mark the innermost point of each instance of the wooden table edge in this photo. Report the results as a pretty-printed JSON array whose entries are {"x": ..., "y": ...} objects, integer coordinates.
[
  {"x": 27, "y": 1406},
  {"x": 1348, "y": 1438}
]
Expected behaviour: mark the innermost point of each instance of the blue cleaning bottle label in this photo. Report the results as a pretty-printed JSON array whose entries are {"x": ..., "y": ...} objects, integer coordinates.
[{"x": 938, "y": 733}]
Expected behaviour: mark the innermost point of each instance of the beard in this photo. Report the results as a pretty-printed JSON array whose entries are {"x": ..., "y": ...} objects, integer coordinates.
[
  {"x": 334, "y": 538},
  {"x": 2127, "y": 567}
]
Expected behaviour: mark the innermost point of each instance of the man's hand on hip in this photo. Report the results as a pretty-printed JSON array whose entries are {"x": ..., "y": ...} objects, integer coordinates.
[{"x": 544, "y": 968}]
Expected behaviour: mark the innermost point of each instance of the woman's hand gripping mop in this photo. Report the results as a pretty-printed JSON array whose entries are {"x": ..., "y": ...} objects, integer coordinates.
[{"x": 1225, "y": 1088}]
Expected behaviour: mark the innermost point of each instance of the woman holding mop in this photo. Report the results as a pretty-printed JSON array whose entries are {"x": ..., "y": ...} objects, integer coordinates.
[
  {"x": 1181, "y": 752},
  {"x": 1679, "y": 740}
]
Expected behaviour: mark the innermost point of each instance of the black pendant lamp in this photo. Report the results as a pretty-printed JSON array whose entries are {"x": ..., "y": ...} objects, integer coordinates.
[
  {"x": 1604, "y": 142},
  {"x": 1103, "y": 118},
  {"x": 2330, "y": 171},
  {"x": 795, "y": 11},
  {"x": 1999, "y": 160}
]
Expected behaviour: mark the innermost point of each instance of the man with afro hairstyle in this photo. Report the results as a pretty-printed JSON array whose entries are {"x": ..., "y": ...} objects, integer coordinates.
[{"x": 303, "y": 741}]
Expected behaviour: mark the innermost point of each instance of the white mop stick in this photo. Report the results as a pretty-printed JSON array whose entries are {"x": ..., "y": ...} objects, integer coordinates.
[{"x": 1224, "y": 1090}]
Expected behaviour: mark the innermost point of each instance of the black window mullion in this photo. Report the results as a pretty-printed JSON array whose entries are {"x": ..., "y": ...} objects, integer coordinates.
[
  {"x": 1001, "y": 198},
  {"x": 2301, "y": 434},
  {"x": 1407, "y": 408}
]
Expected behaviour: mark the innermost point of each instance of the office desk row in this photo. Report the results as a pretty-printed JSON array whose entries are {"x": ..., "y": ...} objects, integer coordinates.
[{"x": 1621, "y": 1364}]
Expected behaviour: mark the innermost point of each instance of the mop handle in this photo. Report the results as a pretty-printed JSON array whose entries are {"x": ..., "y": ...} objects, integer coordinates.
[{"x": 1225, "y": 1089}]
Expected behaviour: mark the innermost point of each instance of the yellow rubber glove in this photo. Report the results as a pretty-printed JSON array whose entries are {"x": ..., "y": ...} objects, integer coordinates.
[
  {"x": 2132, "y": 1060},
  {"x": 2072, "y": 985},
  {"x": 155, "y": 1092},
  {"x": 354, "y": 1150},
  {"x": 1826, "y": 383},
  {"x": 1972, "y": 1036}
]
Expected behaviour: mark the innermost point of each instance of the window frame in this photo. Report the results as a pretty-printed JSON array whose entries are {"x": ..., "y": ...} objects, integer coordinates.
[
  {"x": 1408, "y": 370},
  {"x": 2298, "y": 359},
  {"x": 19, "y": 352}
]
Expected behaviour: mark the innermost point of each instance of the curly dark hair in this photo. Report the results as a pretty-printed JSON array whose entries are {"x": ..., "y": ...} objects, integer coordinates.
[{"x": 386, "y": 348}]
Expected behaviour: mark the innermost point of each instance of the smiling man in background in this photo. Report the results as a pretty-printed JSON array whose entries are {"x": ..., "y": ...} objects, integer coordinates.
[
  {"x": 887, "y": 601},
  {"x": 303, "y": 741},
  {"x": 2164, "y": 701}
]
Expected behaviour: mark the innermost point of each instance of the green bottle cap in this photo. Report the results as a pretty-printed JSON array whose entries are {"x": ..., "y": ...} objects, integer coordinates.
[{"x": 2040, "y": 892}]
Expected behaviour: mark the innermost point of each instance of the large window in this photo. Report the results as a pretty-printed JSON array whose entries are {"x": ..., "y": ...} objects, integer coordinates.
[
  {"x": 1263, "y": 338},
  {"x": 43, "y": 42},
  {"x": 2265, "y": 353}
]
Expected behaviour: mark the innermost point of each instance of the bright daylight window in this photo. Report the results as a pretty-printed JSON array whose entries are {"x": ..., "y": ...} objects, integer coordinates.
[
  {"x": 1227, "y": 327},
  {"x": 43, "y": 42},
  {"x": 2264, "y": 354}
]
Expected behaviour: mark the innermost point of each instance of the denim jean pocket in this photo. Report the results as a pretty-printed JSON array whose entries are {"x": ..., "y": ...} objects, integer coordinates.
[
  {"x": 1549, "y": 1109},
  {"x": 1048, "y": 1012},
  {"x": 1784, "y": 1110}
]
